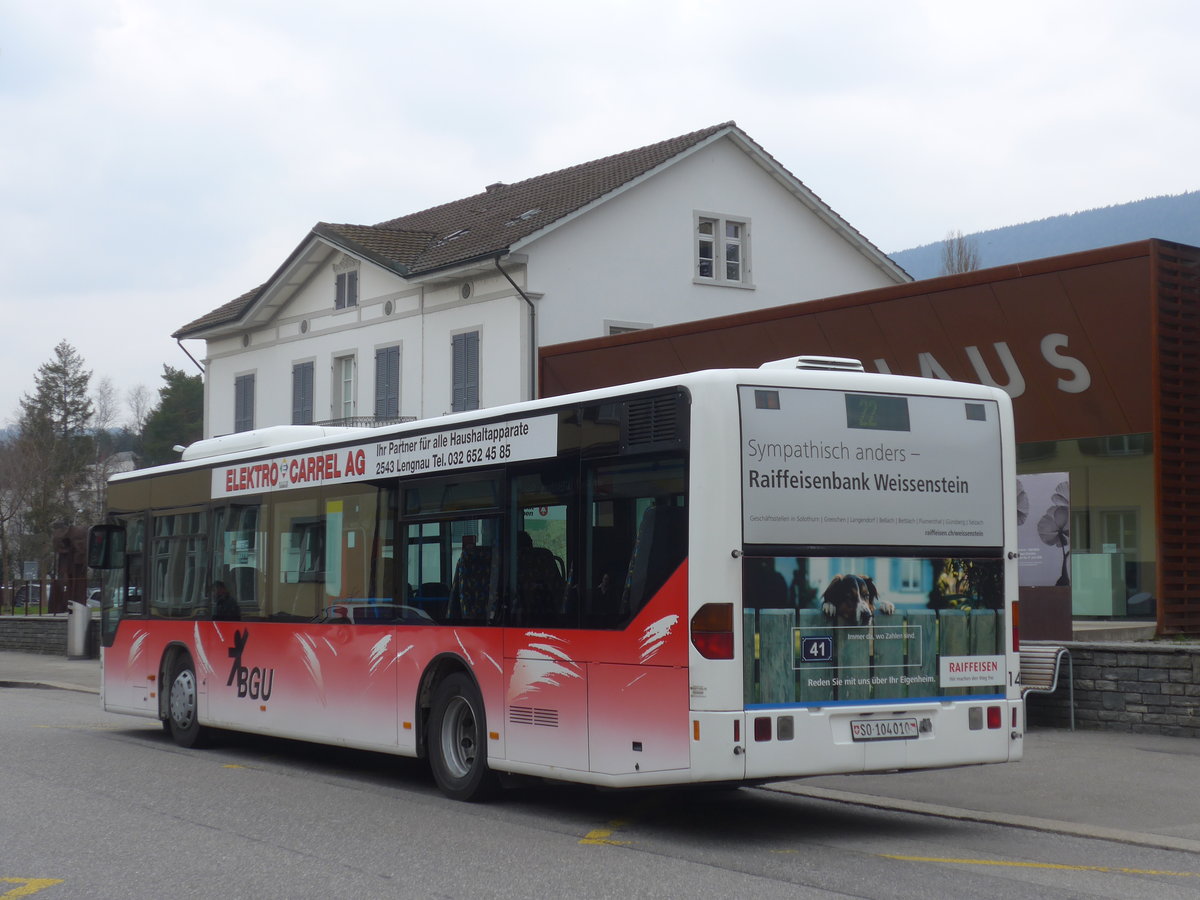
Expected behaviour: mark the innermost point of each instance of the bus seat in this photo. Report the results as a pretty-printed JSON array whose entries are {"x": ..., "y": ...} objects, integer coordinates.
[
  {"x": 432, "y": 597},
  {"x": 471, "y": 589},
  {"x": 540, "y": 585}
]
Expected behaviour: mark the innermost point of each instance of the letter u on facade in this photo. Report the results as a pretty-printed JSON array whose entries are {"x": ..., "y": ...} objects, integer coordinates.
[{"x": 1016, "y": 381}]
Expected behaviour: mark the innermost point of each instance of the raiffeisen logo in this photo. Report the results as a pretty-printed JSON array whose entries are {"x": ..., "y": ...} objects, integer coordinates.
[{"x": 253, "y": 683}]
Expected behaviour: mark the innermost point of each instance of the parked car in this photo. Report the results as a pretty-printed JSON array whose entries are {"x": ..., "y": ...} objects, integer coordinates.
[
  {"x": 93, "y": 598},
  {"x": 27, "y": 595}
]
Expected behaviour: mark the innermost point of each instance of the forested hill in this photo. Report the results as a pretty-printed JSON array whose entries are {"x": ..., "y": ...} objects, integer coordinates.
[{"x": 1173, "y": 218}]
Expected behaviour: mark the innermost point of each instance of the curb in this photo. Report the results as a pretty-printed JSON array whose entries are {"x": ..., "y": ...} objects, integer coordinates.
[
  {"x": 50, "y": 685},
  {"x": 1031, "y": 823}
]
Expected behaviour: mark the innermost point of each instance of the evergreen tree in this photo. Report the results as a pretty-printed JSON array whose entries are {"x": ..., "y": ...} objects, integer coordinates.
[
  {"x": 54, "y": 439},
  {"x": 177, "y": 419}
]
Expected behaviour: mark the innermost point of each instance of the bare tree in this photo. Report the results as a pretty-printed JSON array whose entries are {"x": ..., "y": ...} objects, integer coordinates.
[
  {"x": 140, "y": 401},
  {"x": 17, "y": 469},
  {"x": 104, "y": 405},
  {"x": 959, "y": 254},
  {"x": 93, "y": 491}
]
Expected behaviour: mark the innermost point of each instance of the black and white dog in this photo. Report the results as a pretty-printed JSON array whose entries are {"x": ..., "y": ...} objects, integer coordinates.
[{"x": 853, "y": 600}]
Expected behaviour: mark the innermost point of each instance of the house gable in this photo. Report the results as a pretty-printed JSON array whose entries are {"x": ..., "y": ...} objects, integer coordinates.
[
  {"x": 632, "y": 259},
  {"x": 515, "y": 267},
  {"x": 501, "y": 220}
]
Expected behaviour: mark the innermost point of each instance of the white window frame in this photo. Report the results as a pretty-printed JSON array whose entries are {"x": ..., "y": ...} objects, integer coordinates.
[
  {"x": 345, "y": 386},
  {"x": 720, "y": 245}
]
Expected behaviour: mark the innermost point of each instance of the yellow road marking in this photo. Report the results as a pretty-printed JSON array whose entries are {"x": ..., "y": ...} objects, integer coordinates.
[
  {"x": 29, "y": 886},
  {"x": 232, "y": 766},
  {"x": 1120, "y": 870},
  {"x": 604, "y": 835}
]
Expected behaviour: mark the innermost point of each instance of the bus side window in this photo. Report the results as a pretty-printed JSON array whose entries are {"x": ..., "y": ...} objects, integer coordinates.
[
  {"x": 661, "y": 546},
  {"x": 545, "y": 508},
  {"x": 452, "y": 547},
  {"x": 237, "y": 558},
  {"x": 298, "y": 583},
  {"x": 636, "y": 536},
  {"x": 178, "y": 565}
]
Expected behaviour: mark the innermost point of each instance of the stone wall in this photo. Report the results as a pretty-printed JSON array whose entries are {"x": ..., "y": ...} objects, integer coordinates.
[
  {"x": 43, "y": 634},
  {"x": 1144, "y": 687},
  {"x": 34, "y": 634}
]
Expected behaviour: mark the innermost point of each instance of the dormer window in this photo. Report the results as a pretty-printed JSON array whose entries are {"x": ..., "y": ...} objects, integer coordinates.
[{"x": 345, "y": 275}]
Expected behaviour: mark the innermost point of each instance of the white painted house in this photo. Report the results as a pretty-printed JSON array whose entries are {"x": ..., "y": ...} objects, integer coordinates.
[{"x": 444, "y": 309}]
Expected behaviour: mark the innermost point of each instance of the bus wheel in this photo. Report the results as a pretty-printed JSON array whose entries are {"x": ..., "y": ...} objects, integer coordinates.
[
  {"x": 182, "y": 704},
  {"x": 457, "y": 740}
]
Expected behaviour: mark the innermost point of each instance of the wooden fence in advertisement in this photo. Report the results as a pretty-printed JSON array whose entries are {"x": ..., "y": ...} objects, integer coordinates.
[{"x": 893, "y": 658}]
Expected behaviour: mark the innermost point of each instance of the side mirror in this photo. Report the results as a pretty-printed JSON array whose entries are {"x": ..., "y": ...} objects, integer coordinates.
[{"x": 106, "y": 547}]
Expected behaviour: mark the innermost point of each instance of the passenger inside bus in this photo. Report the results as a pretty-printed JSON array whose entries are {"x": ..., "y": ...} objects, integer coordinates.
[
  {"x": 224, "y": 604},
  {"x": 612, "y": 549}
]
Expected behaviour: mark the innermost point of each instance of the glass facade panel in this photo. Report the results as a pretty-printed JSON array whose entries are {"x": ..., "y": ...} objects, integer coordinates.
[{"x": 1112, "y": 550}]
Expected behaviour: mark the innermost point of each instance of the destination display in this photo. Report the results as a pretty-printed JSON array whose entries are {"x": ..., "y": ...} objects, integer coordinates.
[{"x": 831, "y": 467}]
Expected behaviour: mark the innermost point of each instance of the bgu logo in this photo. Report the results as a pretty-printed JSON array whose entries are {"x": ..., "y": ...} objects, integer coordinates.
[{"x": 253, "y": 683}]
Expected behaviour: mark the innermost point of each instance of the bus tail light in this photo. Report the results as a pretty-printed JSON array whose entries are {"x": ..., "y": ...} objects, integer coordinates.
[
  {"x": 1016, "y": 619},
  {"x": 712, "y": 630},
  {"x": 995, "y": 717},
  {"x": 762, "y": 728}
]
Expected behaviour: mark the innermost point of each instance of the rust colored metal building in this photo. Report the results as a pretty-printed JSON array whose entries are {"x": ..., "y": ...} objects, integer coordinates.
[{"x": 1100, "y": 351}]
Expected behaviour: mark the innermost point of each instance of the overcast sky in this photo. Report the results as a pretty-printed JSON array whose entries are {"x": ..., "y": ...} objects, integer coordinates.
[{"x": 160, "y": 158}]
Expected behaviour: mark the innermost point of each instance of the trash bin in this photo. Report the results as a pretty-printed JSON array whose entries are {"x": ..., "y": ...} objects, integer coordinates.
[{"x": 79, "y": 617}]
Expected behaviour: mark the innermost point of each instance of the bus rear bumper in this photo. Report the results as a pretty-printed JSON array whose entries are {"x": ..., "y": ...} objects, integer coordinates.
[{"x": 794, "y": 741}]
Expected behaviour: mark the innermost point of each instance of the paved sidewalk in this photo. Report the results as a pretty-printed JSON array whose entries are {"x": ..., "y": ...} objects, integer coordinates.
[
  {"x": 49, "y": 670},
  {"x": 1137, "y": 789},
  {"x": 1133, "y": 788}
]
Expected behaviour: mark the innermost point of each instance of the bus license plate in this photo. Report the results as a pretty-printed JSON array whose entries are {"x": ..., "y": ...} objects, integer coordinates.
[{"x": 883, "y": 729}]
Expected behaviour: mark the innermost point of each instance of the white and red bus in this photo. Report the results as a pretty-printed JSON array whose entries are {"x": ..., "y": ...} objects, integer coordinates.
[{"x": 728, "y": 576}]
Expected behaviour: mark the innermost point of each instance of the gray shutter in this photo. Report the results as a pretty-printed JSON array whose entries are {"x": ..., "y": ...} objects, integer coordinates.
[
  {"x": 387, "y": 383},
  {"x": 465, "y": 393},
  {"x": 243, "y": 403},
  {"x": 302, "y": 394}
]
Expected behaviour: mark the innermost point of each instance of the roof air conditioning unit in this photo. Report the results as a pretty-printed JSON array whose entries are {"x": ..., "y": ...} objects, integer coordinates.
[{"x": 824, "y": 363}]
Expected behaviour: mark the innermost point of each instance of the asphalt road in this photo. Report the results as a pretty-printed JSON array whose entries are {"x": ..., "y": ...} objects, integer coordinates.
[{"x": 99, "y": 806}]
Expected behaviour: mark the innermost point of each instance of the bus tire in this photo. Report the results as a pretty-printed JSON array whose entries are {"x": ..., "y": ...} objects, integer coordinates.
[
  {"x": 183, "y": 702},
  {"x": 458, "y": 740}
]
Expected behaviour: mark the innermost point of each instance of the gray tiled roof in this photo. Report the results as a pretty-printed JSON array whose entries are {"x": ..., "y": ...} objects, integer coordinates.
[
  {"x": 489, "y": 223},
  {"x": 482, "y": 225}
]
